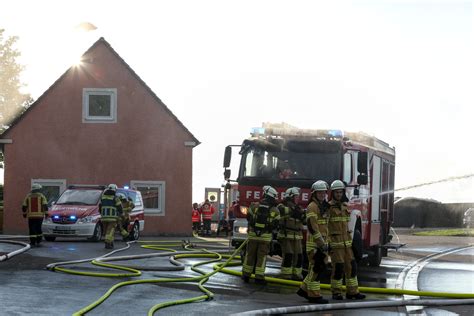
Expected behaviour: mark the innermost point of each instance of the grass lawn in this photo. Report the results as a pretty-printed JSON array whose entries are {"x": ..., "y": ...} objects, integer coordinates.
[{"x": 447, "y": 232}]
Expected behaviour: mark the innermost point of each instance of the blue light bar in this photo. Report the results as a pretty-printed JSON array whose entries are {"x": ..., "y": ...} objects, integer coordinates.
[
  {"x": 126, "y": 187},
  {"x": 56, "y": 216},
  {"x": 257, "y": 131},
  {"x": 335, "y": 133},
  {"x": 72, "y": 217}
]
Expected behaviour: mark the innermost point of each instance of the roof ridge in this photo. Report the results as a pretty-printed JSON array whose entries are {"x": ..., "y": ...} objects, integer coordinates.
[{"x": 107, "y": 44}]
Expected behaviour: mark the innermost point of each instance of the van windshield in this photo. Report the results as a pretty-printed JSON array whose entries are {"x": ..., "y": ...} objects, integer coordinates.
[{"x": 80, "y": 197}]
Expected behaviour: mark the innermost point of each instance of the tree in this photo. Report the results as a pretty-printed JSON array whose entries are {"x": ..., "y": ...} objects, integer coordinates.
[{"x": 13, "y": 102}]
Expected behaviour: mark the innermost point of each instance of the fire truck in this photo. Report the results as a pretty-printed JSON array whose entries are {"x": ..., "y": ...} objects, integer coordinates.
[{"x": 284, "y": 156}]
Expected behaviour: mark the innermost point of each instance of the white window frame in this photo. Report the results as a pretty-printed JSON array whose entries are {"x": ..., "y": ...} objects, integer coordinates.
[
  {"x": 86, "y": 92},
  {"x": 61, "y": 183},
  {"x": 161, "y": 185}
]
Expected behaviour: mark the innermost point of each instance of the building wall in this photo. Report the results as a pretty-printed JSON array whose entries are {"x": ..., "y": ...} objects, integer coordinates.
[{"x": 146, "y": 143}]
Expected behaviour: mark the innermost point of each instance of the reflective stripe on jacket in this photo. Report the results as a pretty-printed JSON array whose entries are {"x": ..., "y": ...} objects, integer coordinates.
[
  {"x": 272, "y": 222},
  {"x": 338, "y": 226},
  {"x": 318, "y": 222},
  {"x": 290, "y": 227},
  {"x": 196, "y": 217},
  {"x": 35, "y": 204},
  {"x": 110, "y": 207},
  {"x": 207, "y": 210}
]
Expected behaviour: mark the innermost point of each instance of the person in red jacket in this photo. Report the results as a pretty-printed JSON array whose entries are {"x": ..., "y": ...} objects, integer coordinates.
[
  {"x": 196, "y": 218},
  {"x": 207, "y": 209}
]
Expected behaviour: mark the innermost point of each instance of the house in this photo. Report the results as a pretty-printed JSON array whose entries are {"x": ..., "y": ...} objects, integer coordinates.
[{"x": 100, "y": 123}]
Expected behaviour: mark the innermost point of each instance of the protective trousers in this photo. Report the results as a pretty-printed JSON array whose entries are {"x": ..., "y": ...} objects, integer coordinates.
[
  {"x": 207, "y": 226},
  {"x": 123, "y": 226},
  {"x": 292, "y": 263},
  {"x": 34, "y": 227},
  {"x": 255, "y": 258},
  {"x": 109, "y": 228},
  {"x": 317, "y": 266},
  {"x": 344, "y": 264}
]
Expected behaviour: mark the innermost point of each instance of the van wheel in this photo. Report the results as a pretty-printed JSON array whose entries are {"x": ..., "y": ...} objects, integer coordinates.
[
  {"x": 97, "y": 233},
  {"x": 49, "y": 238},
  {"x": 135, "y": 233}
]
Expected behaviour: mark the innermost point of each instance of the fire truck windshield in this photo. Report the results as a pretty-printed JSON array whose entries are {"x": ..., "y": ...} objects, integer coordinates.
[{"x": 290, "y": 164}]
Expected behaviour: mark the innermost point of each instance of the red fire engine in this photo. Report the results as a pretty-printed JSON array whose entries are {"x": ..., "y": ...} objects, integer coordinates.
[{"x": 283, "y": 156}]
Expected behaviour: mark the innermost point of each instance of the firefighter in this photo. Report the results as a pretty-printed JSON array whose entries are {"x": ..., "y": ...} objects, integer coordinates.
[
  {"x": 196, "y": 219},
  {"x": 290, "y": 235},
  {"x": 35, "y": 207},
  {"x": 262, "y": 220},
  {"x": 316, "y": 245},
  {"x": 340, "y": 242},
  {"x": 110, "y": 209},
  {"x": 207, "y": 209},
  {"x": 124, "y": 218}
]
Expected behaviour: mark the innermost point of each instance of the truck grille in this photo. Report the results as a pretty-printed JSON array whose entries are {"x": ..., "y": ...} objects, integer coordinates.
[{"x": 64, "y": 220}]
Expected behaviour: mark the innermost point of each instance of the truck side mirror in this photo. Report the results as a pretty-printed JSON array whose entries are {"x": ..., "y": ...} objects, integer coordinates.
[
  {"x": 227, "y": 174},
  {"x": 227, "y": 156},
  {"x": 362, "y": 162},
  {"x": 362, "y": 179}
]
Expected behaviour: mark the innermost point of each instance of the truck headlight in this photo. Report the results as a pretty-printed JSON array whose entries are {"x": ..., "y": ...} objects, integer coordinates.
[
  {"x": 47, "y": 220},
  {"x": 244, "y": 209},
  {"x": 85, "y": 220},
  {"x": 242, "y": 230}
]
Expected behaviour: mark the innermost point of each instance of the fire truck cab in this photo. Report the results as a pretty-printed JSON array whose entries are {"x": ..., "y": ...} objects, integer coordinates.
[{"x": 284, "y": 156}]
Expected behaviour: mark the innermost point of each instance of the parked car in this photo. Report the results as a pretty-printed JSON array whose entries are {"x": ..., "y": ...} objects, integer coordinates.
[
  {"x": 468, "y": 219},
  {"x": 76, "y": 214}
]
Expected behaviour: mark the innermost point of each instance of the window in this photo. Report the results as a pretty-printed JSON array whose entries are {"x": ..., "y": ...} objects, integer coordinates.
[
  {"x": 99, "y": 105},
  {"x": 261, "y": 163},
  {"x": 347, "y": 176},
  {"x": 80, "y": 197},
  {"x": 153, "y": 194},
  {"x": 51, "y": 188}
]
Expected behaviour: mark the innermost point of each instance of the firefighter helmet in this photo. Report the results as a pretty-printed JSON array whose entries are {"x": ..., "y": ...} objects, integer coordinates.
[
  {"x": 36, "y": 186},
  {"x": 337, "y": 185},
  {"x": 292, "y": 192},
  {"x": 270, "y": 191},
  {"x": 112, "y": 187},
  {"x": 122, "y": 196},
  {"x": 319, "y": 185}
]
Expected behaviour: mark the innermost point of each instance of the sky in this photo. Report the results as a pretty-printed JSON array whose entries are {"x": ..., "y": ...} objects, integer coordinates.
[{"x": 399, "y": 70}]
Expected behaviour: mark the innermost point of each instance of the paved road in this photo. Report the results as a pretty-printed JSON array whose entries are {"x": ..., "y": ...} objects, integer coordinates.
[{"x": 28, "y": 288}]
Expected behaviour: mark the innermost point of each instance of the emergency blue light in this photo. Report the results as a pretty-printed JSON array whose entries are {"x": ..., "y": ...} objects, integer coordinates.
[
  {"x": 257, "y": 131},
  {"x": 335, "y": 133},
  {"x": 73, "y": 217},
  {"x": 56, "y": 216},
  {"x": 126, "y": 187}
]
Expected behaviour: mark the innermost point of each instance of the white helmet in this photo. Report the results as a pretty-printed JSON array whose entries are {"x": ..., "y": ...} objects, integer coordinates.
[
  {"x": 337, "y": 185},
  {"x": 319, "y": 185},
  {"x": 292, "y": 192},
  {"x": 112, "y": 187},
  {"x": 36, "y": 186},
  {"x": 270, "y": 191},
  {"x": 122, "y": 196}
]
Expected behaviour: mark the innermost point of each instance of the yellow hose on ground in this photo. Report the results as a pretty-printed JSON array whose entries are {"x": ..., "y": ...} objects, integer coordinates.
[{"x": 220, "y": 267}]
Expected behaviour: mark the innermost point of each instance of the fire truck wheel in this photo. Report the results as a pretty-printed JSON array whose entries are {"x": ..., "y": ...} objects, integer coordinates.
[
  {"x": 49, "y": 238},
  {"x": 97, "y": 233},
  {"x": 376, "y": 257}
]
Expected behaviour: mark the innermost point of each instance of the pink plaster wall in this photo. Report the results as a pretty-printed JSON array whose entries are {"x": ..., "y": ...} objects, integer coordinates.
[{"x": 146, "y": 143}]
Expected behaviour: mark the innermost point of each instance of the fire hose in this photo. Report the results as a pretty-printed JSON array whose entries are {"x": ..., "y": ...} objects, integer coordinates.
[
  {"x": 216, "y": 257},
  {"x": 25, "y": 246}
]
